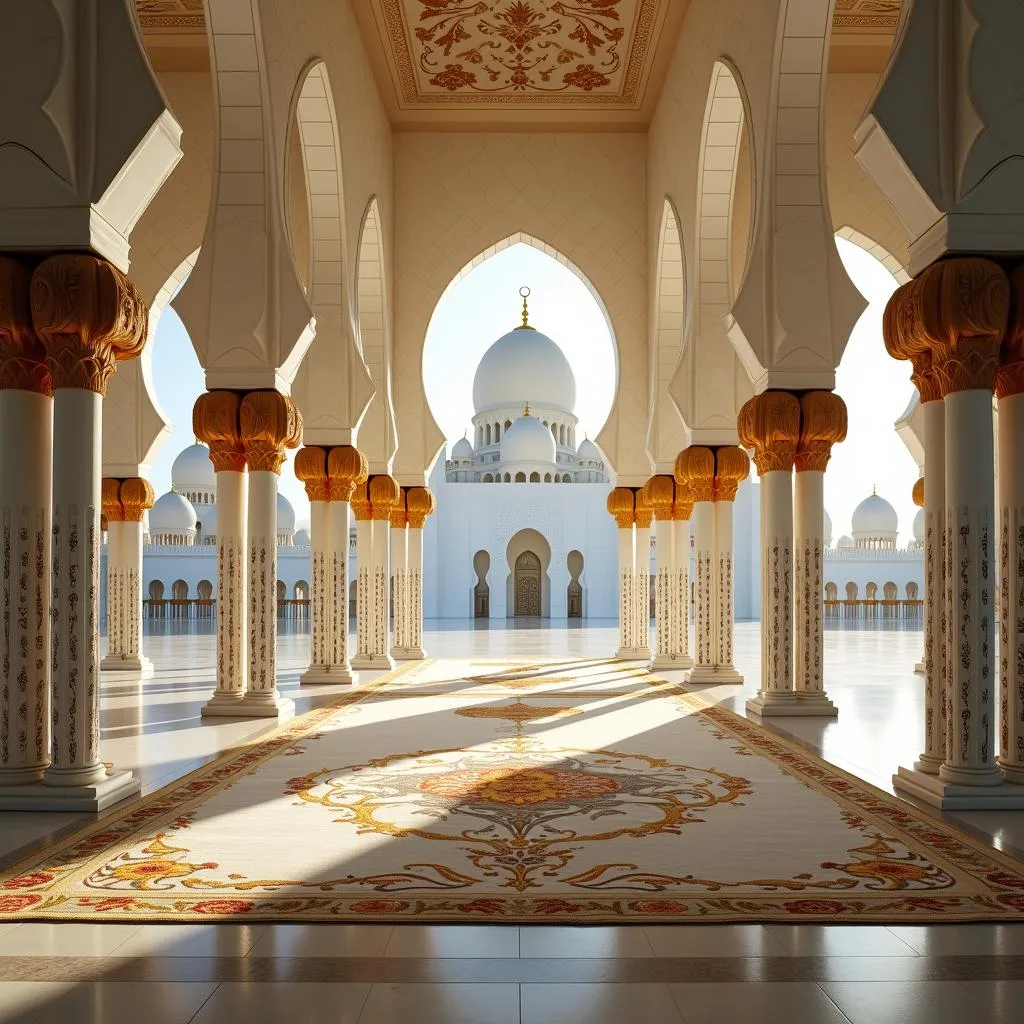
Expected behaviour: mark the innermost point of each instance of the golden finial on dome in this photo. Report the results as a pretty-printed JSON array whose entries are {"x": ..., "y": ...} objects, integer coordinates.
[
  {"x": 525, "y": 325},
  {"x": 526, "y": 409}
]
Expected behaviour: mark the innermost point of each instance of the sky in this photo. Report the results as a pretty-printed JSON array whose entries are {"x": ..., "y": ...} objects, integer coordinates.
[{"x": 485, "y": 304}]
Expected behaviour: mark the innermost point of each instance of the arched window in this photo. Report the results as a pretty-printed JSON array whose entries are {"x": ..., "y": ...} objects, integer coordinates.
[
  {"x": 871, "y": 591},
  {"x": 179, "y": 590},
  {"x": 488, "y": 478},
  {"x": 497, "y": 432},
  {"x": 851, "y": 591},
  {"x": 554, "y": 431},
  {"x": 508, "y": 479},
  {"x": 520, "y": 478},
  {"x": 535, "y": 478},
  {"x": 508, "y": 423},
  {"x": 204, "y": 588},
  {"x": 566, "y": 479},
  {"x": 547, "y": 478},
  {"x": 889, "y": 591},
  {"x": 487, "y": 433},
  {"x": 912, "y": 591},
  {"x": 831, "y": 592},
  {"x": 561, "y": 433}
]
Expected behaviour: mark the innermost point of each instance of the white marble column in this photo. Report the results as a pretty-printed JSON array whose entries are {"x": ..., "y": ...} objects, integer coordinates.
[
  {"x": 420, "y": 504},
  {"x": 642, "y": 579},
  {"x": 384, "y": 494},
  {"x": 770, "y": 424},
  {"x": 664, "y": 595},
  {"x": 87, "y": 314},
  {"x": 113, "y": 513},
  {"x": 695, "y": 474},
  {"x": 270, "y": 422},
  {"x": 731, "y": 468},
  {"x": 215, "y": 420},
  {"x": 26, "y": 432},
  {"x": 399, "y": 579},
  {"x": 622, "y": 506},
  {"x": 347, "y": 469},
  {"x": 682, "y": 510},
  {"x": 920, "y": 667},
  {"x": 364, "y": 568},
  {"x": 822, "y": 424},
  {"x": 136, "y": 496},
  {"x": 1010, "y": 392},
  {"x": 311, "y": 469}
]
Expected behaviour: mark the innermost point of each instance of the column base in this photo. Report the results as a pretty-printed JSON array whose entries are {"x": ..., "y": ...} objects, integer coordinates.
[
  {"x": 89, "y": 799},
  {"x": 633, "y": 654},
  {"x": 714, "y": 674},
  {"x": 408, "y": 653},
  {"x": 919, "y": 668},
  {"x": 21, "y": 776},
  {"x": 1012, "y": 772},
  {"x": 665, "y": 663},
  {"x": 927, "y": 764},
  {"x": 366, "y": 663},
  {"x": 946, "y": 796},
  {"x": 137, "y": 664},
  {"x": 268, "y": 704},
  {"x": 326, "y": 675},
  {"x": 224, "y": 704},
  {"x": 772, "y": 704}
]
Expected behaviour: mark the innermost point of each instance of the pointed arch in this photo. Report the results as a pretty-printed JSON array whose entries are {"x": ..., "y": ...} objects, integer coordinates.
[
  {"x": 373, "y": 338},
  {"x": 666, "y": 432},
  {"x": 873, "y": 248}
]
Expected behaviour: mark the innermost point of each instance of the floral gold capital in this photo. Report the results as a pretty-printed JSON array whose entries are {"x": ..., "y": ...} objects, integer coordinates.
[
  {"x": 384, "y": 494},
  {"x": 215, "y": 421},
  {"x": 22, "y": 356},
  {"x": 347, "y": 468},
  {"x": 1010, "y": 378},
  {"x": 660, "y": 493},
  {"x": 695, "y": 470},
  {"x": 822, "y": 424},
  {"x": 732, "y": 467},
  {"x": 270, "y": 422},
  {"x": 137, "y": 495},
  {"x": 419, "y": 503},
  {"x": 621, "y": 504},
  {"x": 770, "y": 424},
  {"x": 311, "y": 469}
]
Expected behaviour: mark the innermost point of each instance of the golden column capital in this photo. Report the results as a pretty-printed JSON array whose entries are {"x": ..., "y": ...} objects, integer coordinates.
[
  {"x": 904, "y": 335},
  {"x": 621, "y": 504},
  {"x": 1010, "y": 377},
  {"x": 384, "y": 494},
  {"x": 360, "y": 501},
  {"x": 399, "y": 515},
  {"x": 770, "y": 424},
  {"x": 660, "y": 493},
  {"x": 137, "y": 495},
  {"x": 822, "y": 424},
  {"x": 918, "y": 492},
  {"x": 110, "y": 497},
  {"x": 682, "y": 507},
  {"x": 215, "y": 421},
  {"x": 644, "y": 511},
  {"x": 695, "y": 471},
  {"x": 22, "y": 356},
  {"x": 419, "y": 503},
  {"x": 89, "y": 316},
  {"x": 732, "y": 467},
  {"x": 311, "y": 469},
  {"x": 348, "y": 469},
  {"x": 270, "y": 422}
]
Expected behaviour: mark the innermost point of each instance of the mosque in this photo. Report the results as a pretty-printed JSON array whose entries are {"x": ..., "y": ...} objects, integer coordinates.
[
  {"x": 521, "y": 549},
  {"x": 502, "y": 790}
]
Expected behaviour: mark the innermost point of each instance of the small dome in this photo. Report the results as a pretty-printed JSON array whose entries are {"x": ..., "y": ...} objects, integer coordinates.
[
  {"x": 845, "y": 542},
  {"x": 285, "y": 514},
  {"x": 874, "y": 517},
  {"x": 828, "y": 529},
  {"x": 207, "y": 521},
  {"x": 302, "y": 538},
  {"x": 527, "y": 440},
  {"x": 919, "y": 526},
  {"x": 192, "y": 470},
  {"x": 171, "y": 513},
  {"x": 588, "y": 451},
  {"x": 524, "y": 366},
  {"x": 462, "y": 450}
]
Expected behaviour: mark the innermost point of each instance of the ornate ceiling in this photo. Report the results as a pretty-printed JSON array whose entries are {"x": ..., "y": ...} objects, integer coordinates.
[{"x": 455, "y": 63}]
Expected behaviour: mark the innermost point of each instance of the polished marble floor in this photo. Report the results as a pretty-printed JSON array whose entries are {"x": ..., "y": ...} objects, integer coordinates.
[{"x": 533, "y": 975}]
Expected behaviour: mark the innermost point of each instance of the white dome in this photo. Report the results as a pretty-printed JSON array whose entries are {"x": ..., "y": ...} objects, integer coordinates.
[
  {"x": 527, "y": 440},
  {"x": 919, "y": 526},
  {"x": 206, "y": 516},
  {"x": 302, "y": 538},
  {"x": 588, "y": 451},
  {"x": 845, "y": 542},
  {"x": 462, "y": 450},
  {"x": 875, "y": 517},
  {"x": 285, "y": 514},
  {"x": 192, "y": 470},
  {"x": 828, "y": 529},
  {"x": 524, "y": 366},
  {"x": 171, "y": 513}
]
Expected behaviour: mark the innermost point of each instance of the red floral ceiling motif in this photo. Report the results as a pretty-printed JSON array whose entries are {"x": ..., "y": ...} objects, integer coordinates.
[{"x": 520, "y": 49}]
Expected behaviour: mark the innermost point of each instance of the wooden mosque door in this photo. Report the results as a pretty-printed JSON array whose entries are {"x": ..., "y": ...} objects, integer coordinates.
[{"x": 527, "y": 583}]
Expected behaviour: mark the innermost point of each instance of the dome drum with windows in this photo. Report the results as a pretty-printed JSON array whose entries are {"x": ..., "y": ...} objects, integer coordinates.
[{"x": 524, "y": 423}]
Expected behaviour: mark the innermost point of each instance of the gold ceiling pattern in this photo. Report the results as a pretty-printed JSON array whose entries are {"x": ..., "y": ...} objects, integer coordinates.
[
  {"x": 164, "y": 15},
  {"x": 866, "y": 14},
  {"x": 526, "y": 51}
]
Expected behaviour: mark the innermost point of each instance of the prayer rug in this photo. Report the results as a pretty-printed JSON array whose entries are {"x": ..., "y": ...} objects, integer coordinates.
[{"x": 571, "y": 791}]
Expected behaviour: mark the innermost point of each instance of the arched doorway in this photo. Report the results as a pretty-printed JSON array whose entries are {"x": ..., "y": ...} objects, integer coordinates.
[
  {"x": 574, "y": 593},
  {"x": 527, "y": 585},
  {"x": 481, "y": 590}
]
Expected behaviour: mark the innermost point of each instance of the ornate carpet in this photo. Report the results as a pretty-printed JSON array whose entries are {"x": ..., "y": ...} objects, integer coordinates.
[{"x": 571, "y": 791}]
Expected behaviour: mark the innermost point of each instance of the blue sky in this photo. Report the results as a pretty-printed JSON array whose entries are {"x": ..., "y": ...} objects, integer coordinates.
[{"x": 485, "y": 304}]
